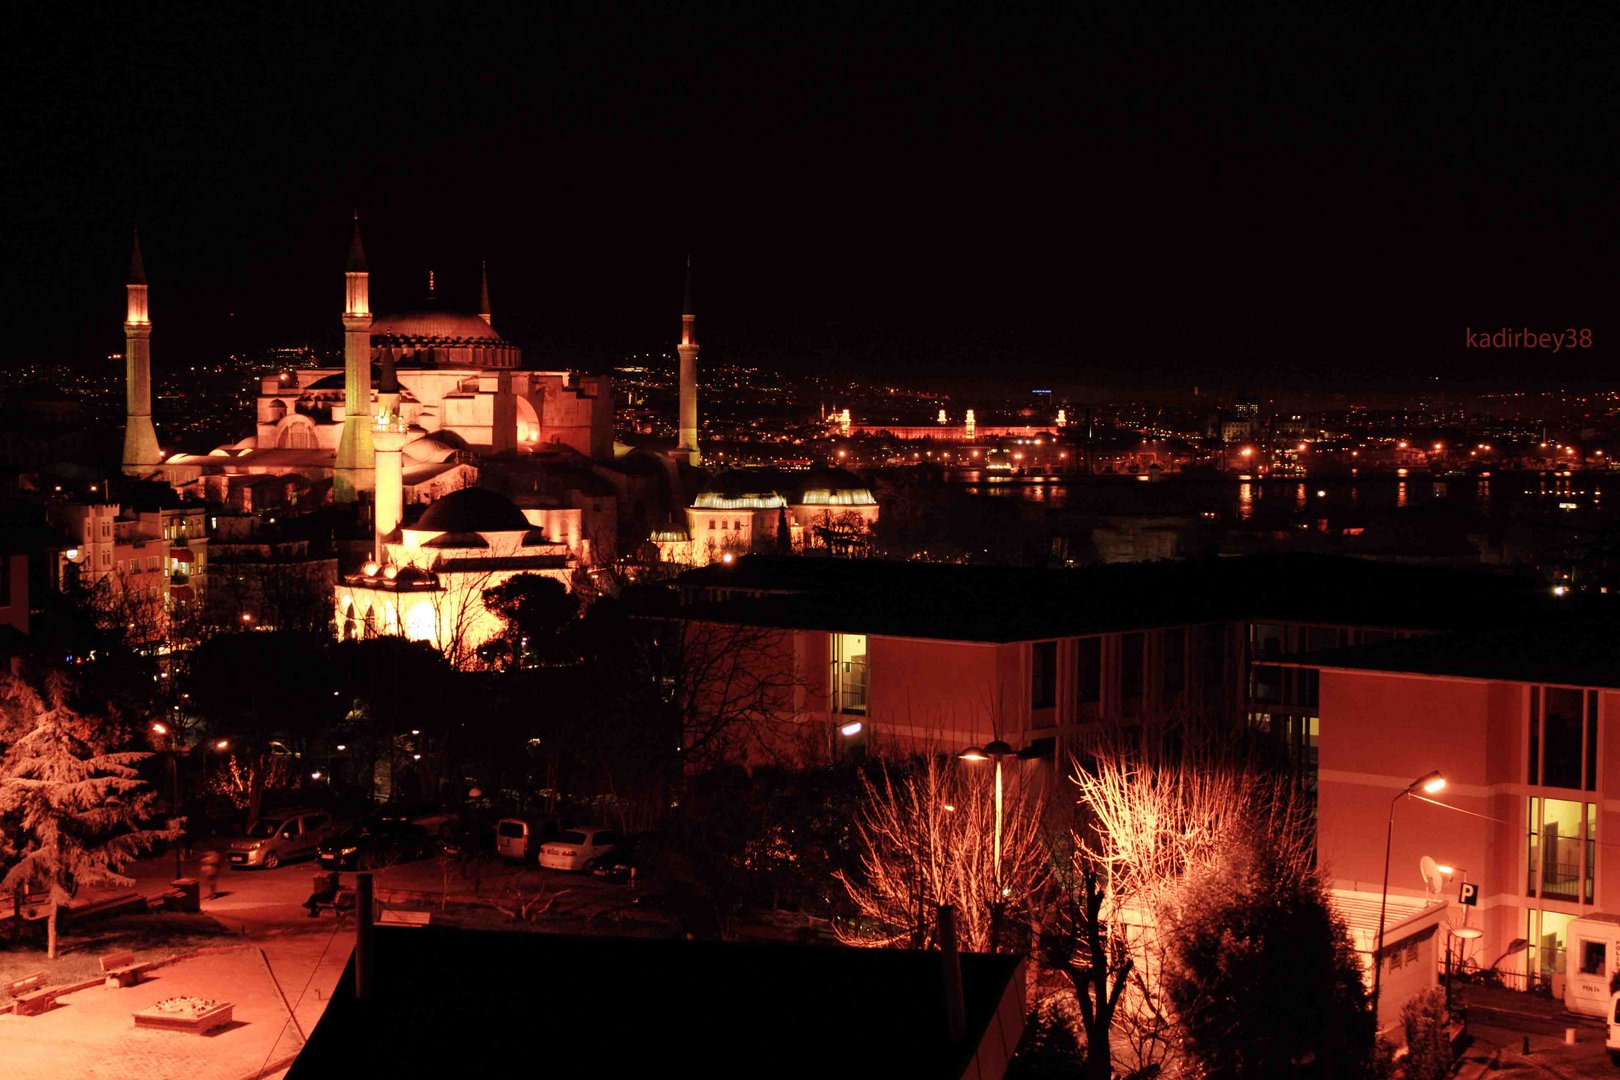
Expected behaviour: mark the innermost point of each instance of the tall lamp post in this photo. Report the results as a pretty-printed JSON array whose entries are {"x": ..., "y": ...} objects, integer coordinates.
[
  {"x": 161, "y": 730},
  {"x": 1429, "y": 783},
  {"x": 994, "y": 750}
]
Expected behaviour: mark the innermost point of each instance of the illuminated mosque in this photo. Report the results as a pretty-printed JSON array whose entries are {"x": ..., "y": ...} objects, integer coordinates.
[
  {"x": 449, "y": 377},
  {"x": 427, "y": 398}
]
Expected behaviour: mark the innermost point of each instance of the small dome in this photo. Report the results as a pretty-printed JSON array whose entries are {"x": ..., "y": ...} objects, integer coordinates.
[
  {"x": 446, "y": 326},
  {"x": 741, "y": 489},
  {"x": 833, "y": 487},
  {"x": 472, "y": 510}
]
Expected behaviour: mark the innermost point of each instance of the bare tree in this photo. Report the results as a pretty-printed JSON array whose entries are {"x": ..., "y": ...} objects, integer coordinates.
[
  {"x": 928, "y": 838},
  {"x": 1160, "y": 803},
  {"x": 731, "y": 690}
]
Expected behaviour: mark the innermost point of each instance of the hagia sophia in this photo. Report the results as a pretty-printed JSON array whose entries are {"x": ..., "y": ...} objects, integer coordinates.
[{"x": 429, "y": 405}]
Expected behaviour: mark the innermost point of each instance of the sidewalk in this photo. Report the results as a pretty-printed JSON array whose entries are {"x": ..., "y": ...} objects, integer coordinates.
[{"x": 91, "y": 1033}]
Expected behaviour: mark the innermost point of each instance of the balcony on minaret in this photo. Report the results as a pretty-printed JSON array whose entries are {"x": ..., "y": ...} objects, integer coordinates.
[
  {"x": 357, "y": 295},
  {"x": 136, "y": 311}
]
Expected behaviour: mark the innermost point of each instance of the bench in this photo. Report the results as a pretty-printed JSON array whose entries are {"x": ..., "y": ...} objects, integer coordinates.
[
  {"x": 120, "y": 968},
  {"x": 403, "y": 918},
  {"x": 343, "y": 905},
  {"x": 31, "y": 995}
]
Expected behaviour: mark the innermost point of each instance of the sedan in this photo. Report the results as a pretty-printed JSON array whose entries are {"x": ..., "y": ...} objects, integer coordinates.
[
  {"x": 374, "y": 844},
  {"x": 578, "y": 848}
]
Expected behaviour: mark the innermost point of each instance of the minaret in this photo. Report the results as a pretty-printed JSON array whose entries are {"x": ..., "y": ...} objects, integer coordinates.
[
  {"x": 483, "y": 292},
  {"x": 688, "y": 350},
  {"x": 141, "y": 454},
  {"x": 389, "y": 435},
  {"x": 356, "y": 460}
]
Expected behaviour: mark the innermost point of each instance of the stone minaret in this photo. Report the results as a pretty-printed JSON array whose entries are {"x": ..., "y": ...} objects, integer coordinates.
[
  {"x": 389, "y": 436},
  {"x": 483, "y": 293},
  {"x": 141, "y": 454},
  {"x": 356, "y": 459},
  {"x": 688, "y": 350}
]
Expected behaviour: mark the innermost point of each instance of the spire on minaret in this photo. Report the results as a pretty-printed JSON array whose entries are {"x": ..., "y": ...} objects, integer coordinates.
[
  {"x": 686, "y": 306},
  {"x": 430, "y": 295},
  {"x": 483, "y": 291},
  {"x": 137, "y": 266},
  {"x": 357, "y": 251}
]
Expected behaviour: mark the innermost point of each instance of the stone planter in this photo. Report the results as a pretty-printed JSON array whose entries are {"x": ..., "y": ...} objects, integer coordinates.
[{"x": 198, "y": 1023}]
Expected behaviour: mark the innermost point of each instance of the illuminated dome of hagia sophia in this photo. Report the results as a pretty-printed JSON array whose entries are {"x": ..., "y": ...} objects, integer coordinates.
[{"x": 422, "y": 326}]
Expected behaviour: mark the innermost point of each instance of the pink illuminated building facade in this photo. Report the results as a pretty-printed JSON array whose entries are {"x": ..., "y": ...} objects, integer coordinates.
[{"x": 1518, "y": 723}]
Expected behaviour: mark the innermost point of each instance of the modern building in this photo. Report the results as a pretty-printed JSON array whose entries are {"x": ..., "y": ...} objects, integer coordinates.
[
  {"x": 928, "y": 655},
  {"x": 1517, "y": 721}
]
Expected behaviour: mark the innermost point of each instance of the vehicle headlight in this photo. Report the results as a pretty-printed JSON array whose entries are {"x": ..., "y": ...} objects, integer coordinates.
[
  {"x": 349, "y": 851},
  {"x": 256, "y": 845}
]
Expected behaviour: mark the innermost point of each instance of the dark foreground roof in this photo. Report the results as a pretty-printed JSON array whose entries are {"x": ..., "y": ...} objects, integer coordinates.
[
  {"x": 467, "y": 1003},
  {"x": 995, "y": 604},
  {"x": 1581, "y": 653}
]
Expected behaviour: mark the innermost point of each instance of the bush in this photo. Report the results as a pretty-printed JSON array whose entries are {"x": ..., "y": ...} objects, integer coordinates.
[{"x": 1428, "y": 1036}]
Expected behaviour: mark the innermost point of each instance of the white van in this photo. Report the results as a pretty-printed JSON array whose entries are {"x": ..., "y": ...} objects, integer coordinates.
[
  {"x": 518, "y": 839},
  {"x": 1590, "y": 960},
  {"x": 1613, "y": 1041}
]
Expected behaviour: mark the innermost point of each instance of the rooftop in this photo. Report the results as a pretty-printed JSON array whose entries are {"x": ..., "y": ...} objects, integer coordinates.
[
  {"x": 998, "y": 604},
  {"x": 738, "y": 1009},
  {"x": 1581, "y": 652}
]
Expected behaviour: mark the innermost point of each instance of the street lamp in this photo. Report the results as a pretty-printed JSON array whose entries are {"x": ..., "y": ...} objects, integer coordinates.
[
  {"x": 161, "y": 730},
  {"x": 1429, "y": 783},
  {"x": 994, "y": 750}
]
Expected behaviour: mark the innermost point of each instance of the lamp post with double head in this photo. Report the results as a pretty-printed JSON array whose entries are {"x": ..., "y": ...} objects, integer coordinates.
[
  {"x": 1429, "y": 783},
  {"x": 994, "y": 750}
]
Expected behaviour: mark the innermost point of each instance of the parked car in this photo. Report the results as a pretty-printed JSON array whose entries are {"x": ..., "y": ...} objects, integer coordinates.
[
  {"x": 519, "y": 838},
  {"x": 277, "y": 837},
  {"x": 382, "y": 842},
  {"x": 441, "y": 821},
  {"x": 578, "y": 848},
  {"x": 620, "y": 863}
]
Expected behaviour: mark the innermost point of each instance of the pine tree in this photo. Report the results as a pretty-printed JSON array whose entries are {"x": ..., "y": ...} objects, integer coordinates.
[{"x": 74, "y": 811}]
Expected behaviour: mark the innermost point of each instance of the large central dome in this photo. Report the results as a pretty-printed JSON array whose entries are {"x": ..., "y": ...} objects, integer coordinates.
[{"x": 448, "y": 327}]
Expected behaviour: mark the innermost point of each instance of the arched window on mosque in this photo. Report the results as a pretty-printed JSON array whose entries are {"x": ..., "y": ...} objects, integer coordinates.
[
  {"x": 349, "y": 626},
  {"x": 371, "y": 623},
  {"x": 278, "y": 411}
]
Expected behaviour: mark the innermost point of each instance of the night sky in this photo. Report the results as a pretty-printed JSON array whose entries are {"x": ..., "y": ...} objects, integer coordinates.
[{"x": 1040, "y": 194}]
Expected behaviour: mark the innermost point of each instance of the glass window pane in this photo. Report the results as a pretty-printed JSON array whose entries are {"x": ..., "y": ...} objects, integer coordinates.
[
  {"x": 1535, "y": 737},
  {"x": 1043, "y": 675},
  {"x": 1562, "y": 725},
  {"x": 1175, "y": 661},
  {"x": 1534, "y": 848},
  {"x": 1560, "y": 849},
  {"x": 1591, "y": 852},
  {"x": 1089, "y": 664},
  {"x": 1591, "y": 740},
  {"x": 1130, "y": 671}
]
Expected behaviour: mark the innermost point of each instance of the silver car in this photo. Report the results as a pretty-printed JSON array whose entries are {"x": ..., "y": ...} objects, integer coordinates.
[{"x": 274, "y": 838}]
